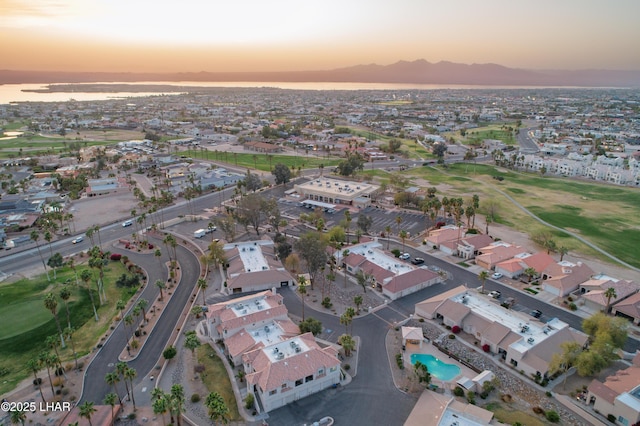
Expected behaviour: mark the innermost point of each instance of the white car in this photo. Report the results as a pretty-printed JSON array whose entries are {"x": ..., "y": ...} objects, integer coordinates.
[
  {"x": 495, "y": 294},
  {"x": 77, "y": 240},
  {"x": 405, "y": 256},
  {"x": 496, "y": 276},
  {"x": 127, "y": 223}
]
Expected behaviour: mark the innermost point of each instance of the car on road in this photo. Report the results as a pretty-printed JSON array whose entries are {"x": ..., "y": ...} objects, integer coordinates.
[
  {"x": 417, "y": 261},
  {"x": 127, "y": 223},
  {"x": 536, "y": 313},
  {"x": 405, "y": 256},
  {"x": 77, "y": 240},
  {"x": 496, "y": 275},
  {"x": 495, "y": 294}
]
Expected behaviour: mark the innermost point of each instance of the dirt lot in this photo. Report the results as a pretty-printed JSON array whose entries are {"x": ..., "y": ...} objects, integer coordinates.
[{"x": 102, "y": 210}]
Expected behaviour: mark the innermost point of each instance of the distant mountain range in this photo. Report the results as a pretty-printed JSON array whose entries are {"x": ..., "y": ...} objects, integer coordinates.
[{"x": 416, "y": 72}]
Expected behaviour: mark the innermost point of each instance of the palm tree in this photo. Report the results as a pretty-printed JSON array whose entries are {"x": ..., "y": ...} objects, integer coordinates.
[
  {"x": 112, "y": 379},
  {"x": 48, "y": 238},
  {"x": 19, "y": 417},
  {"x": 120, "y": 305},
  {"x": 357, "y": 300},
  {"x": 45, "y": 359},
  {"x": 176, "y": 402},
  {"x": 35, "y": 236},
  {"x": 609, "y": 293},
  {"x": 347, "y": 343},
  {"x": 65, "y": 295},
  {"x": 482, "y": 276},
  {"x": 111, "y": 399},
  {"x": 72, "y": 265},
  {"x": 130, "y": 374},
  {"x": 89, "y": 235},
  {"x": 218, "y": 410},
  {"x": 403, "y": 236},
  {"x": 159, "y": 403},
  {"x": 346, "y": 319},
  {"x": 34, "y": 366},
  {"x": 202, "y": 285},
  {"x": 302, "y": 289},
  {"x": 142, "y": 304},
  {"x": 68, "y": 332},
  {"x": 161, "y": 285},
  {"x": 86, "y": 410},
  {"x": 387, "y": 231},
  {"x": 51, "y": 303},
  {"x": 398, "y": 222},
  {"x": 86, "y": 276},
  {"x": 128, "y": 322},
  {"x": 562, "y": 250},
  {"x": 121, "y": 368},
  {"x": 191, "y": 342}
]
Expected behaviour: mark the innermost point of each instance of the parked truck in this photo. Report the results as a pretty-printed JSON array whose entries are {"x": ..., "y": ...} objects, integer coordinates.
[{"x": 199, "y": 233}]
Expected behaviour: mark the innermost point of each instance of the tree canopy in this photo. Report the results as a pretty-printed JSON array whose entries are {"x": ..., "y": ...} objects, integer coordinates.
[{"x": 282, "y": 173}]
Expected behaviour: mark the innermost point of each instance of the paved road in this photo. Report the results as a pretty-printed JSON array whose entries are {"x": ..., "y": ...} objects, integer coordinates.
[
  {"x": 95, "y": 388},
  {"x": 370, "y": 399},
  {"x": 526, "y": 142}
]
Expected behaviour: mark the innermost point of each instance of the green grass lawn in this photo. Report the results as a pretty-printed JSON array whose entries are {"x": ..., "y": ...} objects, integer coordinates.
[
  {"x": 27, "y": 323},
  {"x": 509, "y": 416},
  {"x": 216, "y": 379},
  {"x": 576, "y": 206},
  {"x": 263, "y": 162}
]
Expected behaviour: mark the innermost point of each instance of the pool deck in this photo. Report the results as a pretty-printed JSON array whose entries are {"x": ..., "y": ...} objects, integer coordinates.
[{"x": 428, "y": 348}]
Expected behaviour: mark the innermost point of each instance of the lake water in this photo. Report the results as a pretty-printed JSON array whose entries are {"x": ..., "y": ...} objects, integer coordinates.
[{"x": 15, "y": 92}]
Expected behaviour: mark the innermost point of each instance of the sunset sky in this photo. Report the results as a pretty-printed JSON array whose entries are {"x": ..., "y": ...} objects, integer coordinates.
[{"x": 292, "y": 35}]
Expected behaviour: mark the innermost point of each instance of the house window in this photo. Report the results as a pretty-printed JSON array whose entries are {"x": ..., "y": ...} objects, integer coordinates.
[
  {"x": 284, "y": 386},
  {"x": 333, "y": 369},
  {"x": 298, "y": 382},
  {"x": 624, "y": 421},
  {"x": 273, "y": 392},
  {"x": 320, "y": 371},
  {"x": 514, "y": 362},
  {"x": 308, "y": 378}
]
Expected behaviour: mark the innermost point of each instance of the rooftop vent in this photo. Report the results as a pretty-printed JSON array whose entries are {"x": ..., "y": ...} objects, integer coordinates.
[
  {"x": 298, "y": 349},
  {"x": 279, "y": 355}
]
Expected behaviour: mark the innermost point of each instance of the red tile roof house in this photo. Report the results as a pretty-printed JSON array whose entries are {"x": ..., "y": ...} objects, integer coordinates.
[
  {"x": 619, "y": 395},
  {"x": 468, "y": 247},
  {"x": 225, "y": 319},
  {"x": 593, "y": 292},
  {"x": 563, "y": 278},
  {"x": 410, "y": 282},
  {"x": 513, "y": 268},
  {"x": 497, "y": 252},
  {"x": 628, "y": 308},
  {"x": 253, "y": 266},
  {"x": 444, "y": 234},
  {"x": 290, "y": 370}
]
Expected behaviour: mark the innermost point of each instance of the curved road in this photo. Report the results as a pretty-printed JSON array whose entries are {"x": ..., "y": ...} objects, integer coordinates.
[{"x": 94, "y": 387}]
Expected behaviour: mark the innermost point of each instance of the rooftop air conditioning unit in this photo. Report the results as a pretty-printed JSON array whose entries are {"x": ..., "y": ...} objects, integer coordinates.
[
  {"x": 298, "y": 349},
  {"x": 280, "y": 355}
]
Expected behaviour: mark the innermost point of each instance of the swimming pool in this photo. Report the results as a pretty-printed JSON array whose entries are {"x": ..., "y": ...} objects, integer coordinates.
[{"x": 437, "y": 368}]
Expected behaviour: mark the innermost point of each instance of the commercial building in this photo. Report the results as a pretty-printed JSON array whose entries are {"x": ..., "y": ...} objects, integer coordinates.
[{"x": 334, "y": 191}]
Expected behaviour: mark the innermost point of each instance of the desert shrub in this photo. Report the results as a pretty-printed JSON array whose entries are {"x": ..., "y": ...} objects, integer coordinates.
[
  {"x": 452, "y": 336},
  {"x": 115, "y": 256},
  {"x": 400, "y": 361},
  {"x": 486, "y": 348},
  {"x": 347, "y": 367},
  {"x": 249, "y": 401},
  {"x": 506, "y": 397},
  {"x": 326, "y": 302},
  {"x": 150, "y": 246},
  {"x": 549, "y": 394},
  {"x": 573, "y": 306},
  {"x": 538, "y": 410},
  {"x": 552, "y": 416},
  {"x": 471, "y": 397},
  {"x": 195, "y": 398},
  {"x": 200, "y": 368},
  {"x": 458, "y": 391},
  {"x": 455, "y": 329}
]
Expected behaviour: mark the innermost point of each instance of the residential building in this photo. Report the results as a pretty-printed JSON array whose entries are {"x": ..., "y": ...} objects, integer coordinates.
[
  {"x": 254, "y": 266},
  {"x": 448, "y": 233},
  {"x": 290, "y": 370},
  {"x": 628, "y": 308},
  {"x": 593, "y": 292},
  {"x": 497, "y": 252},
  {"x": 524, "y": 343},
  {"x": 618, "y": 395},
  {"x": 563, "y": 278},
  {"x": 433, "y": 409}
]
